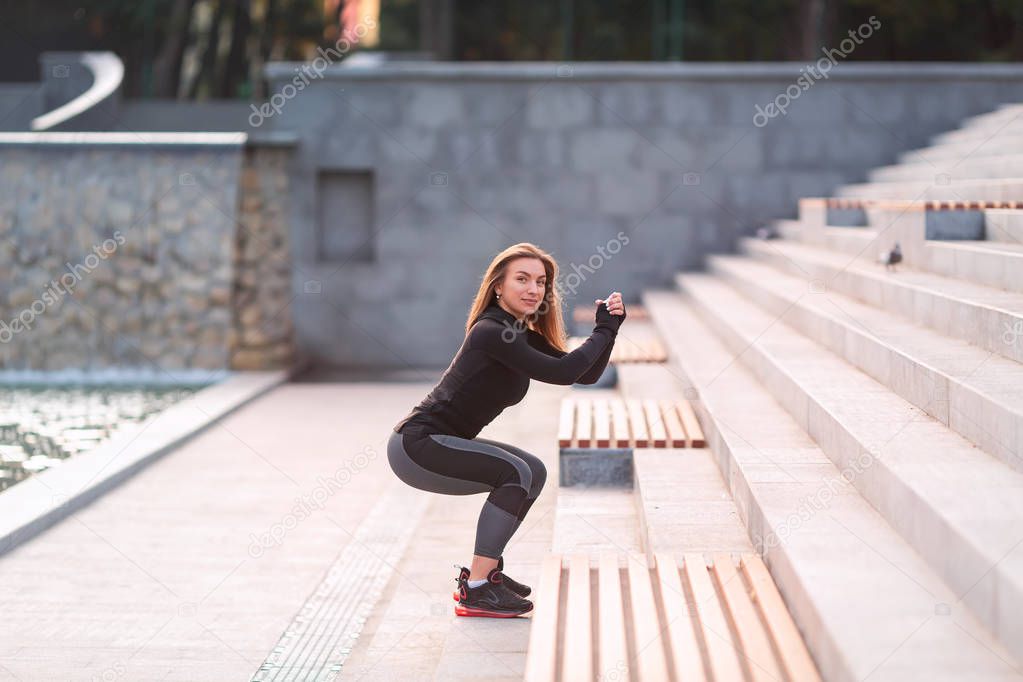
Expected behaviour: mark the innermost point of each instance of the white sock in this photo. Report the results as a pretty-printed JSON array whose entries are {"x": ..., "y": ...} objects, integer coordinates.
[{"x": 477, "y": 583}]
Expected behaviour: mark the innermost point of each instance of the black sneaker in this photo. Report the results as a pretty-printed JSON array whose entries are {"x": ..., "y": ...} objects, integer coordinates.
[
  {"x": 491, "y": 599},
  {"x": 463, "y": 574},
  {"x": 513, "y": 585}
]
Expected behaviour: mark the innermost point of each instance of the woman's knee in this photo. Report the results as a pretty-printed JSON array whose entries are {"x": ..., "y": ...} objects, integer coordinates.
[
  {"x": 538, "y": 474},
  {"x": 519, "y": 476},
  {"x": 539, "y": 477}
]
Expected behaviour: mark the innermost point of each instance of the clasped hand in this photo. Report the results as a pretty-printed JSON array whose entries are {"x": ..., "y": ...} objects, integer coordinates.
[{"x": 614, "y": 304}]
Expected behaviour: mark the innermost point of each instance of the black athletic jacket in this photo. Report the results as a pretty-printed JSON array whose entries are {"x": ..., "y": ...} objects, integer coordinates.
[{"x": 492, "y": 369}]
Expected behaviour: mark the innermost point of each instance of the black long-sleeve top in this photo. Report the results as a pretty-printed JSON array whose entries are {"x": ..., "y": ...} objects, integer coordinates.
[{"x": 492, "y": 369}]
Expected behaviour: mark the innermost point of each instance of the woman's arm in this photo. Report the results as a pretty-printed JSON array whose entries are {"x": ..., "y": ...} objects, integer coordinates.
[
  {"x": 591, "y": 375},
  {"x": 513, "y": 349}
]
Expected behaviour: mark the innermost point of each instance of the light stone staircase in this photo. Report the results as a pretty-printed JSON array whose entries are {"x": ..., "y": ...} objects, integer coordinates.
[{"x": 869, "y": 424}]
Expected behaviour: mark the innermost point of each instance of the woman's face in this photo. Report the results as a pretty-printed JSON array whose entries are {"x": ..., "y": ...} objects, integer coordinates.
[{"x": 523, "y": 288}]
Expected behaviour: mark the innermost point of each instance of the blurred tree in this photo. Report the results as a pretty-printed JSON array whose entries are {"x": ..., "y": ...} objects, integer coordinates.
[
  {"x": 167, "y": 69},
  {"x": 218, "y": 48}
]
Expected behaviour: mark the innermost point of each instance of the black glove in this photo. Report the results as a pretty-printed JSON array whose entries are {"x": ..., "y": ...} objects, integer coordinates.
[{"x": 606, "y": 319}]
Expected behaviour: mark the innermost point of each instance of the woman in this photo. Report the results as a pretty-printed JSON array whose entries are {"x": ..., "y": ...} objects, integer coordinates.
[{"x": 514, "y": 333}]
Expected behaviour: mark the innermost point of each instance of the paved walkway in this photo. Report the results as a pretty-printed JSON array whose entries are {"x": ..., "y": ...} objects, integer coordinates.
[
  {"x": 194, "y": 568},
  {"x": 414, "y": 635}
]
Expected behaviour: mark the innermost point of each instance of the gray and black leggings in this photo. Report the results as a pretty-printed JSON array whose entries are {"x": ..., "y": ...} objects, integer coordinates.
[{"x": 451, "y": 465}]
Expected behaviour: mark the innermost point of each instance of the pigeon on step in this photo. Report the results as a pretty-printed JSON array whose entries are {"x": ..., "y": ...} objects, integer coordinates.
[
  {"x": 767, "y": 232},
  {"x": 891, "y": 258}
]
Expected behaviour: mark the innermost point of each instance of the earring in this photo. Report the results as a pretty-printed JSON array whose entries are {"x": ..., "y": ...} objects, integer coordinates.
[{"x": 499, "y": 295}]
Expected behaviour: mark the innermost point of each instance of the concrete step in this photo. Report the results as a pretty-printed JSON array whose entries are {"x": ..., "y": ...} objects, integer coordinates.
[
  {"x": 977, "y": 134},
  {"x": 591, "y": 520},
  {"x": 959, "y": 508},
  {"x": 978, "y": 395},
  {"x": 1008, "y": 166},
  {"x": 1004, "y": 117},
  {"x": 997, "y": 145},
  {"x": 994, "y": 264},
  {"x": 853, "y": 241},
  {"x": 996, "y": 118},
  {"x": 864, "y": 600},
  {"x": 789, "y": 229},
  {"x": 1003, "y": 225},
  {"x": 981, "y": 130},
  {"x": 682, "y": 502},
  {"x": 985, "y": 317},
  {"x": 952, "y": 188}
]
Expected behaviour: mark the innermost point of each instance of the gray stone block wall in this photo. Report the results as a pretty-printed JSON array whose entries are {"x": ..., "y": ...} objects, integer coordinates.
[{"x": 467, "y": 159}]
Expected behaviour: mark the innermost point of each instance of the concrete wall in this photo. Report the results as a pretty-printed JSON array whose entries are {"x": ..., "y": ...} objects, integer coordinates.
[
  {"x": 19, "y": 104},
  {"x": 465, "y": 159},
  {"x": 261, "y": 300}
]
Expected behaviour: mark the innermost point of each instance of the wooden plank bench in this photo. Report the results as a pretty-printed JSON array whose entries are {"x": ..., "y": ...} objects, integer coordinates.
[
  {"x": 629, "y": 351},
  {"x": 629, "y": 423},
  {"x": 596, "y": 437},
  {"x": 906, "y": 204},
  {"x": 684, "y": 618},
  {"x": 586, "y": 314}
]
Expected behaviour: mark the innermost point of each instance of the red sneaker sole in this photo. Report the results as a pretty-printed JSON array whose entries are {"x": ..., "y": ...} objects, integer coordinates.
[{"x": 471, "y": 612}]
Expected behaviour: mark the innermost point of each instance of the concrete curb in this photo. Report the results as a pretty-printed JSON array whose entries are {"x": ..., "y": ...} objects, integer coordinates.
[{"x": 40, "y": 501}]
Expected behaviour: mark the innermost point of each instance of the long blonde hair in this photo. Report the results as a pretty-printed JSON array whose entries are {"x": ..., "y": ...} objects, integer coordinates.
[{"x": 548, "y": 319}]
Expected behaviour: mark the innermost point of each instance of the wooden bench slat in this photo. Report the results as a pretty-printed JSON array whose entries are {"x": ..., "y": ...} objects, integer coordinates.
[
  {"x": 542, "y": 662},
  {"x": 577, "y": 658},
  {"x": 601, "y": 423},
  {"x": 584, "y": 423},
  {"x": 681, "y": 619},
  {"x": 623, "y": 437},
  {"x": 657, "y": 352},
  {"x": 693, "y": 623},
  {"x": 650, "y": 659},
  {"x": 639, "y": 430},
  {"x": 630, "y": 423},
  {"x": 628, "y": 350},
  {"x": 613, "y": 652},
  {"x": 658, "y": 433},
  {"x": 691, "y": 424},
  {"x": 673, "y": 425},
  {"x": 566, "y": 423},
  {"x": 754, "y": 640},
  {"x": 724, "y": 661},
  {"x": 794, "y": 655},
  {"x": 587, "y": 313}
]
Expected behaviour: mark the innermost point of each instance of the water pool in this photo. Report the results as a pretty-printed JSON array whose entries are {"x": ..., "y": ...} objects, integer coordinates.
[{"x": 41, "y": 427}]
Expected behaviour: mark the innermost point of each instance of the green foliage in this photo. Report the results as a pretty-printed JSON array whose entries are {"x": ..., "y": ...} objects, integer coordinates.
[{"x": 192, "y": 58}]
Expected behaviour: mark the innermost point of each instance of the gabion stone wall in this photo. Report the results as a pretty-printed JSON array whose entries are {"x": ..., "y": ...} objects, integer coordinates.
[
  {"x": 262, "y": 297},
  {"x": 133, "y": 257}
]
